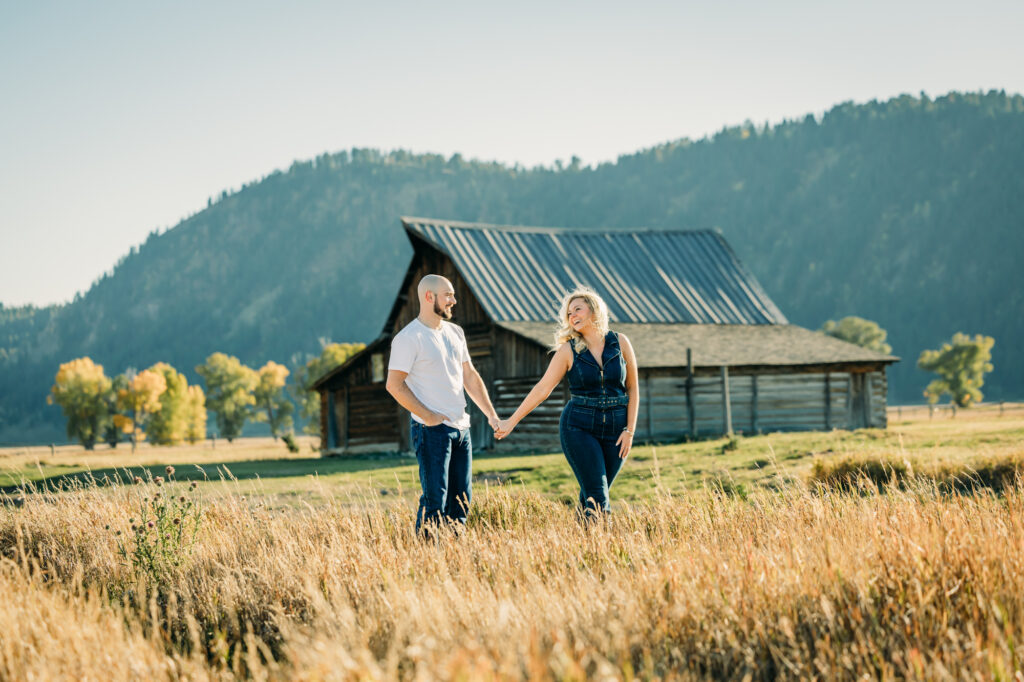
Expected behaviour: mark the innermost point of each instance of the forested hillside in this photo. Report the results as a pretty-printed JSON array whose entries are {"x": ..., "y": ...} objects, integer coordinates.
[{"x": 909, "y": 212}]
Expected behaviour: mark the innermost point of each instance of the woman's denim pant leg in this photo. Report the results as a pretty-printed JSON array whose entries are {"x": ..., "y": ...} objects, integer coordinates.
[
  {"x": 588, "y": 440},
  {"x": 445, "y": 456}
]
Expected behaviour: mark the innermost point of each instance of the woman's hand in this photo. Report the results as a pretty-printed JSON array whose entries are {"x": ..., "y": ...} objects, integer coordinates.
[
  {"x": 625, "y": 443},
  {"x": 505, "y": 427}
]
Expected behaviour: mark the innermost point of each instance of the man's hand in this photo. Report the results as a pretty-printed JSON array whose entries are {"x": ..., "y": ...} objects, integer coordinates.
[
  {"x": 493, "y": 421},
  {"x": 434, "y": 419},
  {"x": 504, "y": 428}
]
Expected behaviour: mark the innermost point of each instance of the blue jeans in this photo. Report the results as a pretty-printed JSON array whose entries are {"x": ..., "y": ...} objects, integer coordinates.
[
  {"x": 445, "y": 456},
  {"x": 588, "y": 440}
]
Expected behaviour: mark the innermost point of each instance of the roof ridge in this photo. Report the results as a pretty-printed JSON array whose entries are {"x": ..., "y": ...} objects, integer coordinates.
[{"x": 408, "y": 221}]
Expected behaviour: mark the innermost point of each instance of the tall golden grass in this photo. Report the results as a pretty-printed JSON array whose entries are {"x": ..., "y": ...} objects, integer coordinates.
[{"x": 908, "y": 582}]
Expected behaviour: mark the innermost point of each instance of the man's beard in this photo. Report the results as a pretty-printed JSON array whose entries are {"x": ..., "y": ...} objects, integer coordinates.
[{"x": 441, "y": 312}]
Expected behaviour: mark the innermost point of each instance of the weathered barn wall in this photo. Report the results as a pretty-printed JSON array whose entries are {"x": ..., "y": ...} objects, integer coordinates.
[{"x": 759, "y": 403}]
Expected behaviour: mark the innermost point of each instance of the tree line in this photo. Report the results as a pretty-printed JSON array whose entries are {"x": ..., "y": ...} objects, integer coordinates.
[
  {"x": 961, "y": 364},
  {"x": 158, "y": 404}
]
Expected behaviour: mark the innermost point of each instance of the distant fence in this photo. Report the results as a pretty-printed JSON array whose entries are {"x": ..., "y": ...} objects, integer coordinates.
[{"x": 946, "y": 411}]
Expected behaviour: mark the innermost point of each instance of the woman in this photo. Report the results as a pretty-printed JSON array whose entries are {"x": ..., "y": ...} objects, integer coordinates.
[{"x": 599, "y": 421}]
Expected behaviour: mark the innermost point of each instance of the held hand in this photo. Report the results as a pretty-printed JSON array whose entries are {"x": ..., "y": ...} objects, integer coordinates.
[
  {"x": 625, "y": 443},
  {"x": 434, "y": 419},
  {"x": 493, "y": 421},
  {"x": 505, "y": 427}
]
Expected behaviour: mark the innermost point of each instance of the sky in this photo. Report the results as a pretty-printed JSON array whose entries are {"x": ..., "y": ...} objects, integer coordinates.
[{"x": 120, "y": 118}]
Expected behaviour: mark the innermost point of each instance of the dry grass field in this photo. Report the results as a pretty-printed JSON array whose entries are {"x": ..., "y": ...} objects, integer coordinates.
[{"x": 740, "y": 571}]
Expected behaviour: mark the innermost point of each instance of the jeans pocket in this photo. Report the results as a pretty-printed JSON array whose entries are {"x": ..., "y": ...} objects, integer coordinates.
[
  {"x": 618, "y": 419},
  {"x": 581, "y": 418},
  {"x": 415, "y": 435}
]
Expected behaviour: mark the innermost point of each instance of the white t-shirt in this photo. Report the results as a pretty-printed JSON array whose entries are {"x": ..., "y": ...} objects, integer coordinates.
[{"x": 433, "y": 359}]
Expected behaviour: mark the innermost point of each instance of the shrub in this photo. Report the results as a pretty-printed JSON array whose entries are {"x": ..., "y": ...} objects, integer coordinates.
[{"x": 162, "y": 537}]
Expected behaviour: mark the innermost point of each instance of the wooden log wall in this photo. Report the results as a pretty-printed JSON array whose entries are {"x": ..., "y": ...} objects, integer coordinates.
[
  {"x": 879, "y": 417},
  {"x": 539, "y": 431},
  {"x": 784, "y": 402}
]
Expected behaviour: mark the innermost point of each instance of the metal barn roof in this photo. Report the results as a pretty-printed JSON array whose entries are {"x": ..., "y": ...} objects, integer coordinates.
[{"x": 645, "y": 275}]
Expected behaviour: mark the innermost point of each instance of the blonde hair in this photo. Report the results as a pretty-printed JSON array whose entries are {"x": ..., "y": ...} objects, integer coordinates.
[{"x": 598, "y": 308}]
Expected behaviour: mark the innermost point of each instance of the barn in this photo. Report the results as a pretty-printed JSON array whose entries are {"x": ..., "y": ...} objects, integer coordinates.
[{"x": 715, "y": 354}]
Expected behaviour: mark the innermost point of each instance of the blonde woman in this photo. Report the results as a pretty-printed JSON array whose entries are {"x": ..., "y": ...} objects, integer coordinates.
[{"x": 599, "y": 421}]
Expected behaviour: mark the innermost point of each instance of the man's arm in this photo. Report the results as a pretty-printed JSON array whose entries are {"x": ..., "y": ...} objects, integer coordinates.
[
  {"x": 474, "y": 385},
  {"x": 401, "y": 392}
]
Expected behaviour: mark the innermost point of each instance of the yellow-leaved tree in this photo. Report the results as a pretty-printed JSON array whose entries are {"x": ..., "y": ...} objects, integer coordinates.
[
  {"x": 273, "y": 404},
  {"x": 196, "y": 407},
  {"x": 81, "y": 389},
  {"x": 140, "y": 399},
  {"x": 169, "y": 424}
]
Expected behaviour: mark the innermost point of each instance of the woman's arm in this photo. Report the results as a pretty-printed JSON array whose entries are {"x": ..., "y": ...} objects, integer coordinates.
[
  {"x": 560, "y": 364},
  {"x": 625, "y": 441}
]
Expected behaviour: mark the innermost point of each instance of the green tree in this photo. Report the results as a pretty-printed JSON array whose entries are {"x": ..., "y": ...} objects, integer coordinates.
[
  {"x": 167, "y": 426},
  {"x": 230, "y": 387},
  {"x": 858, "y": 331},
  {"x": 961, "y": 366},
  {"x": 80, "y": 388},
  {"x": 273, "y": 404},
  {"x": 333, "y": 355},
  {"x": 138, "y": 402}
]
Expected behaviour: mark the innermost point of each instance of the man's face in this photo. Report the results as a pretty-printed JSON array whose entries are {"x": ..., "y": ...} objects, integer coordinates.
[{"x": 444, "y": 301}]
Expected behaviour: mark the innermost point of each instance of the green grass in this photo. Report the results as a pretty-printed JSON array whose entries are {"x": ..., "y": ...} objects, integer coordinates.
[{"x": 742, "y": 463}]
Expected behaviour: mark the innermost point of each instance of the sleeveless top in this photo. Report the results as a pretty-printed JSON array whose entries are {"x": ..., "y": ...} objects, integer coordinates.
[{"x": 588, "y": 380}]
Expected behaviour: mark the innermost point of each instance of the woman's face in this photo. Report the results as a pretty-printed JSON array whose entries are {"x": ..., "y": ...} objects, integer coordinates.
[{"x": 580, "y": 314}]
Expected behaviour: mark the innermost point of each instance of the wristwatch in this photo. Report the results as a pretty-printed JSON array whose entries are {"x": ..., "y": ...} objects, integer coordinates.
[{"x": 626, "y": 429}]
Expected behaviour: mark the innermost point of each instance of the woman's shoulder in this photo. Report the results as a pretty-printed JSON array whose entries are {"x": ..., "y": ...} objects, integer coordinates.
[
  {"x": 565, "y": 348},
  {"x": 621, "y": 338}
]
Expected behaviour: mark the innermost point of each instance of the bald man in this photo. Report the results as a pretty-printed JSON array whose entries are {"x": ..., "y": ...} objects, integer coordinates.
[{"x": 429, "y": 374}]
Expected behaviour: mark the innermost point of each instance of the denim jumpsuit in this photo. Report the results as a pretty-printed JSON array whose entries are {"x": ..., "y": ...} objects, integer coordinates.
[{"x": 593, "y": 420}]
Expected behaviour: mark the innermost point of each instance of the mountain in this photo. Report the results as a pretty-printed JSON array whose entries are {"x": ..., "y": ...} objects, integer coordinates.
[{"x": 909, "y": 212}]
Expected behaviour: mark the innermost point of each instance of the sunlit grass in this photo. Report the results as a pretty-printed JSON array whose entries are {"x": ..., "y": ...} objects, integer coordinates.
[{"x": 799, "y": 582}]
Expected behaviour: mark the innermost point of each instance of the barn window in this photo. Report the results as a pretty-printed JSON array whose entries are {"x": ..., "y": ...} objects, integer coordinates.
[{"x": 377, "y": 367}]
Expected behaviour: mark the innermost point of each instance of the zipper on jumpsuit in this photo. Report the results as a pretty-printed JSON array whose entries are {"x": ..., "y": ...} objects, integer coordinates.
[{"x": 603, "y": 415}]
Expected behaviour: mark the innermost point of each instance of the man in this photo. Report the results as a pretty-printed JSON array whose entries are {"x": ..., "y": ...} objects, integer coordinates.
[{"x": 429, "y": 374}]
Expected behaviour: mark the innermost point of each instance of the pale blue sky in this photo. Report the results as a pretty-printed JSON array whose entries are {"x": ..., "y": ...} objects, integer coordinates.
[{"x": 118, "y": 118}]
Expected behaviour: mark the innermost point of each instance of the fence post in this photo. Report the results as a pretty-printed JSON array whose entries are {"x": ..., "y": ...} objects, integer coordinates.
[
  {"x": 828, "y": 402},
  {"x": 753, "y": 404},
  {"x": 690, "y": 412},
  {"x": 726, "y": 406}
]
